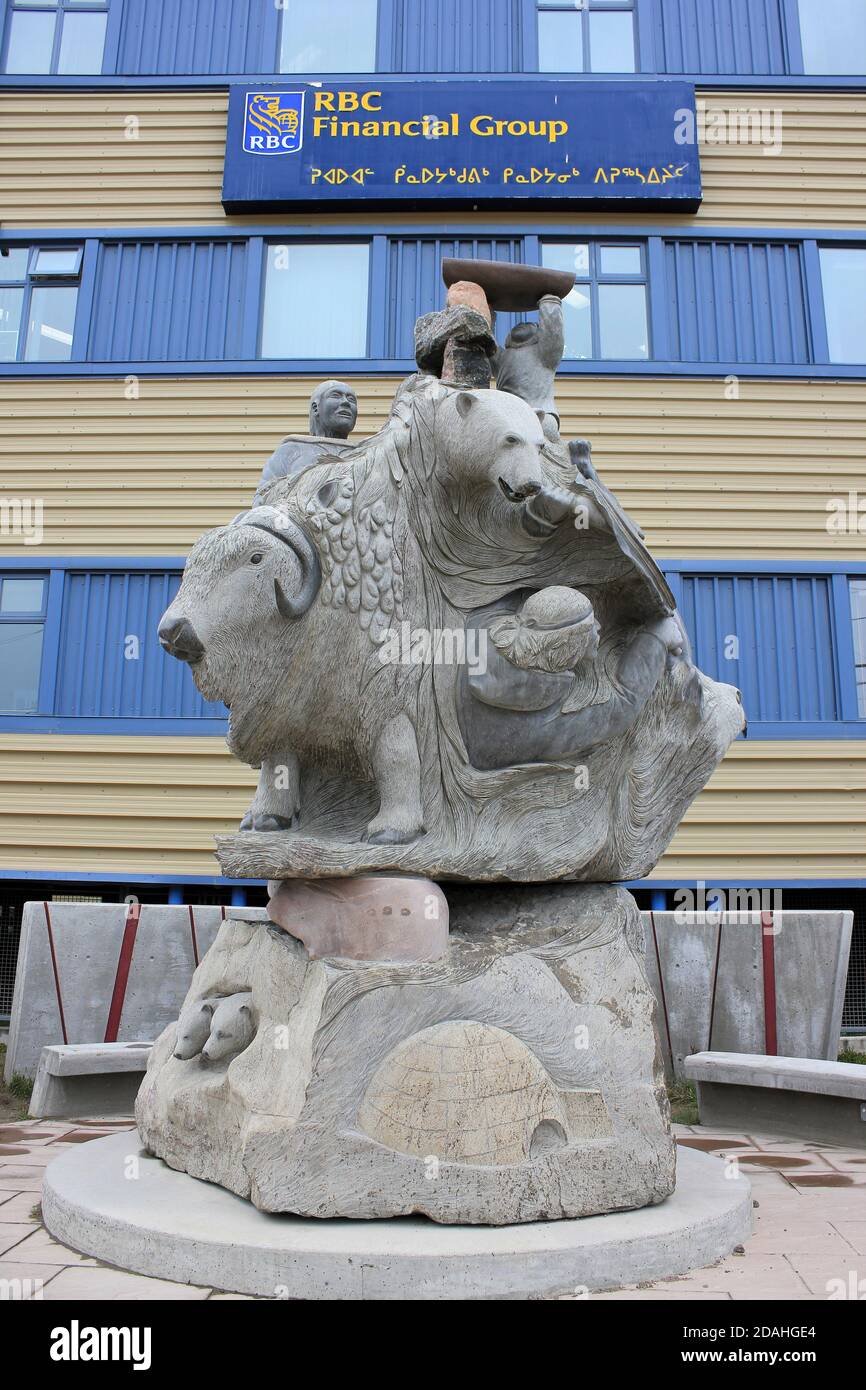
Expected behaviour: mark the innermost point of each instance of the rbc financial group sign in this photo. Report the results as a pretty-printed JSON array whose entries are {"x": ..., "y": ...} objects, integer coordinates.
[{"x": 484, "y": 143}]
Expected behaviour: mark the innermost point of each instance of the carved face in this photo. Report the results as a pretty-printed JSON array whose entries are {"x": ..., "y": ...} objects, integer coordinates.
[
  {"x": 241, "y": 582},
  {"x": 333, "y": 410},
  {"x": 493, "y": 440}
]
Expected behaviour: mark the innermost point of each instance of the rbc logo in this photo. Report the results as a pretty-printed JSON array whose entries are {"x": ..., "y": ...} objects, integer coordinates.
[{"x": 274, "y": 122}]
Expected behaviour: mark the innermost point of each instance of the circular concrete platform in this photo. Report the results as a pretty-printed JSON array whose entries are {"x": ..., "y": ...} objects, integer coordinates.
[{"x": 112, "y": 1200}]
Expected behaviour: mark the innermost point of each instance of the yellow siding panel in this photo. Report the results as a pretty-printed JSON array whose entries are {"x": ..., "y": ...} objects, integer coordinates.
[
  {"x": 67, "y": 159},
  {"x": 776, "y": 810},
  {"x": 95, "y": 804},
  {"x": 703, "y": 474}
]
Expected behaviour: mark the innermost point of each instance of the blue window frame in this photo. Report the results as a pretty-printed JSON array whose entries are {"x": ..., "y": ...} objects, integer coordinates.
[
  {"x": 676, "y": 303},
  {"x": 63, "y": 37},
  {"x": 607, "y": 312},
  {"x": 328, "y": 36},
  {"x": 787, "y": 636},
  {"x": 833, "y": 36},
  {"x": 23, "y": 604},
  {"x": 315, "y": 300},
  {"x": 857, "y": 590},
  {"x": 843, "y": 284},
  {"x": 79, "y": 651},
  {"x": 587, "y": 36},
  {"x": 38, "y": 302}
]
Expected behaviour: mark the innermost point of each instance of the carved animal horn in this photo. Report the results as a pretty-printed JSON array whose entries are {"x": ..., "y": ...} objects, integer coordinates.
[
  {"x": 284, "y": 529},
  {"x": 286, "y": 607}
]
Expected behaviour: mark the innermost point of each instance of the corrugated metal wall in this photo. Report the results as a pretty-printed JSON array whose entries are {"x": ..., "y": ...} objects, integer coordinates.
[
  {"x": 708, "y": 468},
  {"x": 152, "y": 805},
  {"x": 111, "y": 664},
  {"x": 413, "y": 280},
  {"x": 735, "y": 302},
  {"x": 169, "y": 301},
  {"x": 720, "y": 36},
  {"x": 198, "y": 36},
  {"x": 449, "y": 36},
  {"x": 186, "y": 301},
  {"x": 776, "y": 811},
  {"x": 67, "y": 159},
  {"x": 779, "y": 631}
]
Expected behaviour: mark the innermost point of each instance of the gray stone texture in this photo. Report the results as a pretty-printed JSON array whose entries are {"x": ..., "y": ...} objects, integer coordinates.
[
  {"x": 87, "y": 942},
  {"x": 516, "y": 1079},
  {"x": 88, "y": 1079},
  {"x": 824, "y": 1101},
  {"x": 711, "y": 967}
]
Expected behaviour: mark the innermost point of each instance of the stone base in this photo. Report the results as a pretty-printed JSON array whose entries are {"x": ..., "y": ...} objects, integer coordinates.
[
  {"x": 516, "y": 1079},
  {"x": 168, "y": 1225}
]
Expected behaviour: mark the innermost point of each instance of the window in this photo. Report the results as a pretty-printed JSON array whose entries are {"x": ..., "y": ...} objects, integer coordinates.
[
  {"x": 328, "y": 36},
  {"x": 55, "y": 36},
  {"x": 857, "y": 589},
  {"x": 38, "y": 297},
  {"x": 586, "y": 36},
  {"x": 315, "y": 301},
  {"x": 22, "y": 621},
  {"x": 606, "y": 312},
  {"x": 833, "y": 36},
  {"x": 843, "y": 278}
]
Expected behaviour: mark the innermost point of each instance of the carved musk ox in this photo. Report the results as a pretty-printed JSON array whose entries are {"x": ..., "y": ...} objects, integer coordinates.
[
  {"x": 281, "y": 613},
  {"x": 457, "y": 503}
]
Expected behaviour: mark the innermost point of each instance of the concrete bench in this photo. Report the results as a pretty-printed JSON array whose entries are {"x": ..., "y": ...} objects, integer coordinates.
[
  {"x": 88, "y": 1080},
  {"x": 800, "y": 1097}
]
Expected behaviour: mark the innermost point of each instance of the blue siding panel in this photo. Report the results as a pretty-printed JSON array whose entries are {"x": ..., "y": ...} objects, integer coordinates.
[
  {"x": 169, "y": 301},
  {"x": 785, "y": 664},
  {"x": 182, "y": 37},
  {"x": 414, "y": 282},
  {"x": 96, "y": 678},
  {"x": 729, "y": 37},
  {"x": 473, "y": 36},
  {"x": 737, "y": 302}
]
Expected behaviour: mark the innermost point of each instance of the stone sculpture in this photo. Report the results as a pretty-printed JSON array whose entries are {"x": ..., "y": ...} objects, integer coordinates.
[
  {"x": 453, "y": 659},
  {"x": 333, "y": 415},
  {"x": 515, "y": 1079}
]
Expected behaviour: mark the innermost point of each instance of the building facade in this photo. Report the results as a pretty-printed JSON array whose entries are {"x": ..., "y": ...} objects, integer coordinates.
[{"x": 151, "y": 356}]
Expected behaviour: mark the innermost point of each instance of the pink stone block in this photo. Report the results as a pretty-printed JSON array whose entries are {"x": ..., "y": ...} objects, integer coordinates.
[
  {"x": 372, "y": 917},
  {"x": 472, "y": 295}
]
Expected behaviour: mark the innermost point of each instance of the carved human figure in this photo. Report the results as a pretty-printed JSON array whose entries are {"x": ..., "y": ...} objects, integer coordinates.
[
  {"x": 333, "y": 415},
  {"x": 553, "y": 688},
  {"x": 526, "y": 365}
]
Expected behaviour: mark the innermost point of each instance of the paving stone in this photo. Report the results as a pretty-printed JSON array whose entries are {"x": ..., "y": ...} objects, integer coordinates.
[
  {"x": 854, "y": 1232},
  {"x": 787, "y": 1238},
  {"x": 12, "y": 1235},
  {"x": 18, "y": 1208},
  {"x": 23, "y": 1280},
  {"x": 102, "y": 1284},
  {"x": 12, "y": 1184},
  {"x": 817, "y": 1272},
  {"x": 660, "y": 1295},
  {"x": 40, "y": 1246},
  {"x": 761, "y": 1276}
]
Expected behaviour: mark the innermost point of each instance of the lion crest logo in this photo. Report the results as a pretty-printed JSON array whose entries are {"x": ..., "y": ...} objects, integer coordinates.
[{"x": 274, "y": 122}]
